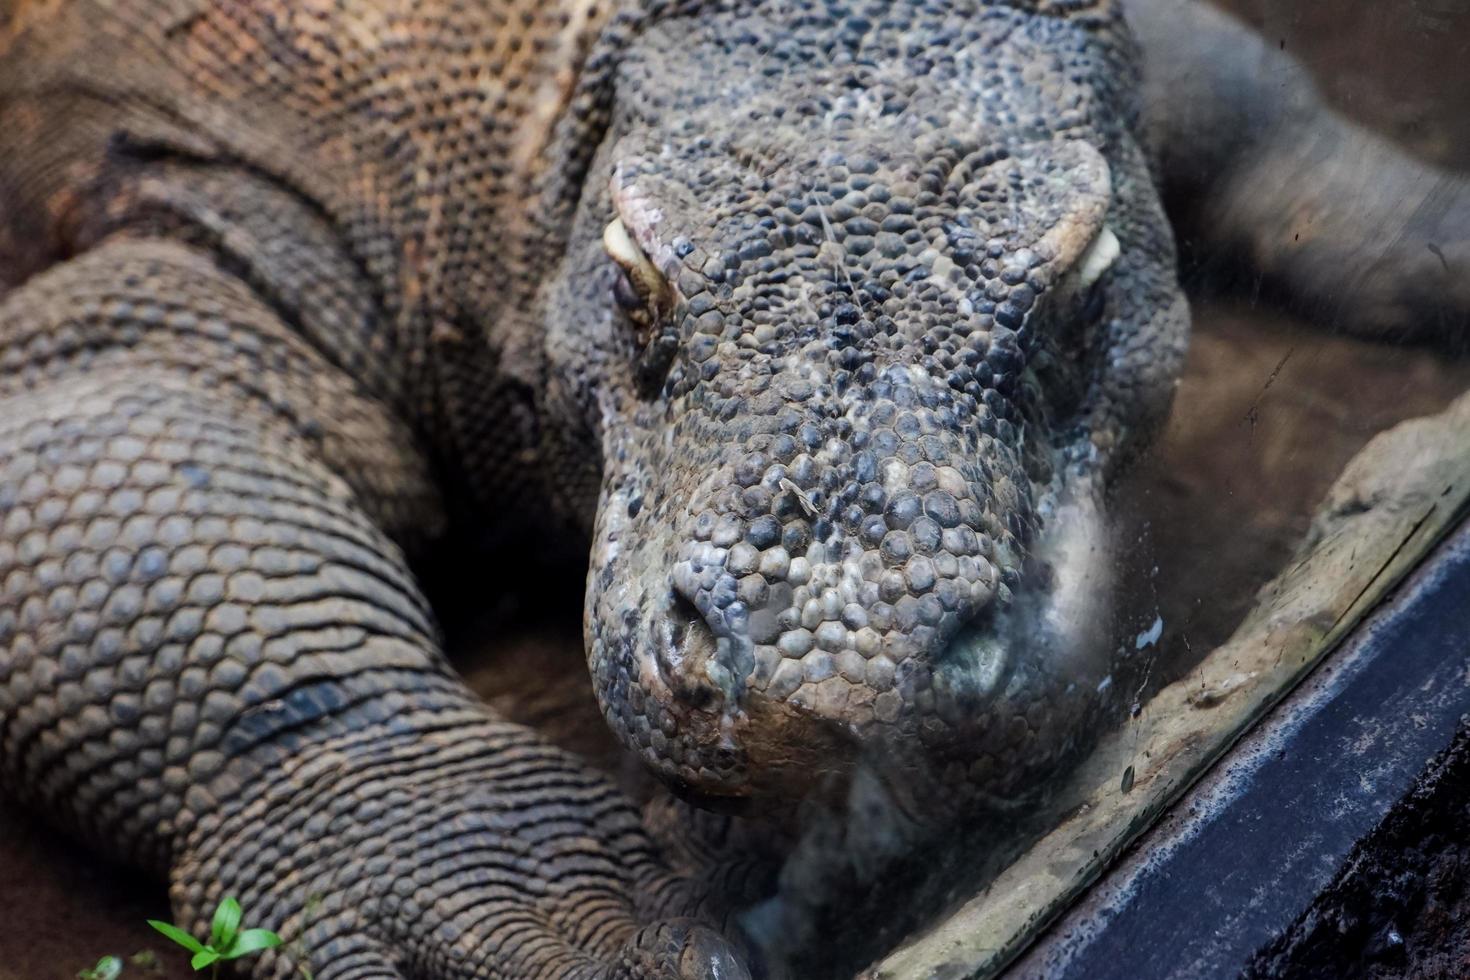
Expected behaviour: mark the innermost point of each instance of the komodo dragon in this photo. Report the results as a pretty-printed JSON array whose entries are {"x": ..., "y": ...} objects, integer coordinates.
[{"x": 828, "y": 320}]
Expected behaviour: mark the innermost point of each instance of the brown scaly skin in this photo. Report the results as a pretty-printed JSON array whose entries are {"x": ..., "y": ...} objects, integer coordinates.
[
  {"x": 838, "y": 410},
  {"x": 882, "y": 378}
]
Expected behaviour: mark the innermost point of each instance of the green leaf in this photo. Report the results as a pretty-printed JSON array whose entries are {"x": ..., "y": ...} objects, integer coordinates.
[
  {"x": 178, "y": 935},
  {"x": 226, "y": 923},
  {"x": 203, "y": 958},
  {"x": 108, "y": 968},
  {"x": 251, "y": 941}
]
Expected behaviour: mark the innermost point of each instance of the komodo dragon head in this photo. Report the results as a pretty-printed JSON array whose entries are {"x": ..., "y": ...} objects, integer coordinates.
[{"x": 858, "y": 314}]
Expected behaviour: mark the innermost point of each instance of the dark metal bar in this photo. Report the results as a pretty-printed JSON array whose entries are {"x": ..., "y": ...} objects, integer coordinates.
[{"x": 1231, "y": 865}]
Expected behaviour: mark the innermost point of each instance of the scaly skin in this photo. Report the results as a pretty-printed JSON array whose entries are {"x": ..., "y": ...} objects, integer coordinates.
[
  {"x": 217, "y": 417},
  {"x": 884, "y": 377},
  {"x": 887, "y": 295}
]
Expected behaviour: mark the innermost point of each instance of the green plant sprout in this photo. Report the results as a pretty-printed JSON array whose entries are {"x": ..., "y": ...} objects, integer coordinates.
[
  {"x": 108, "y": 968},
  {"x": 227, "y": 941}
]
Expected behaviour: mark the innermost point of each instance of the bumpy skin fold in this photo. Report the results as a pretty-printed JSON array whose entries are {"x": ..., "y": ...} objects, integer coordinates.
[
  {"x": 217, "y": 664},
  {"x": 887, "y": 297}
]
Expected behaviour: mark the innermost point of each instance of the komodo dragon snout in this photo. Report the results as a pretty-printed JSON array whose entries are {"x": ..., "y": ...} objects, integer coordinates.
[{"x": 855, "y": 376}]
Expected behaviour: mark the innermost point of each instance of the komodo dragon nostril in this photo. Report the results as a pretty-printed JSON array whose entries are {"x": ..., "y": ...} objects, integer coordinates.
[
  {"x": 685, "y": 653},
  {"x": 974, "y": 664}
]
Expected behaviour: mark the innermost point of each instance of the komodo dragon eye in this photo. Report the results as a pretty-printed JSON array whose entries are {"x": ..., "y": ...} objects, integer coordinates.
[
  {"x": 1086, "y": 278},
  {"x": 648, "y": 300},
  {"x": 1081, "y": 295},
  {"x": 641, "y": 291},
  {"x": 1098, "y": 258}
]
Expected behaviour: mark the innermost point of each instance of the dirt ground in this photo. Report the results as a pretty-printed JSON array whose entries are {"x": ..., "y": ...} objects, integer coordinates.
[
  {"x": 1401, "y": 905},
  {"x": 1268, "y": 412}
]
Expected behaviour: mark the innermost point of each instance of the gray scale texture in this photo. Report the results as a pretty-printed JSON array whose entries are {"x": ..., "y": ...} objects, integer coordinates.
[{"x": 878, "y": 379}]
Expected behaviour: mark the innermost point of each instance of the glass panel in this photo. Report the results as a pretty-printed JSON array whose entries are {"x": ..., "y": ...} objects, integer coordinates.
[
  {"x": 1309, "y": 459},
  {"x": 1393, "y": 503},
  {"x": 1254, "y": 531},
  {"x": 1266, "y": 520}
]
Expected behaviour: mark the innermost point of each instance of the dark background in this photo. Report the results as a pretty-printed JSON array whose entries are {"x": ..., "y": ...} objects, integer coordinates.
[{"x": 1216, "y": 509}]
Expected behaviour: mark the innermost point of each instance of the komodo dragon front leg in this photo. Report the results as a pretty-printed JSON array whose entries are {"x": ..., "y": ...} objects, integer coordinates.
[
  {"x": 216, "y": 418},
  {"x": 216, "y": 664}
]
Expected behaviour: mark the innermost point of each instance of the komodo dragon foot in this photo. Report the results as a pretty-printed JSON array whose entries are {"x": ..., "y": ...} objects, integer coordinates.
[{"x": 217, "y": 664}]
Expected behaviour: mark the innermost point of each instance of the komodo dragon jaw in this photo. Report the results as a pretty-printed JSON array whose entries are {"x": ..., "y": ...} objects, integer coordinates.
[{"x": 859, "y": 343}]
